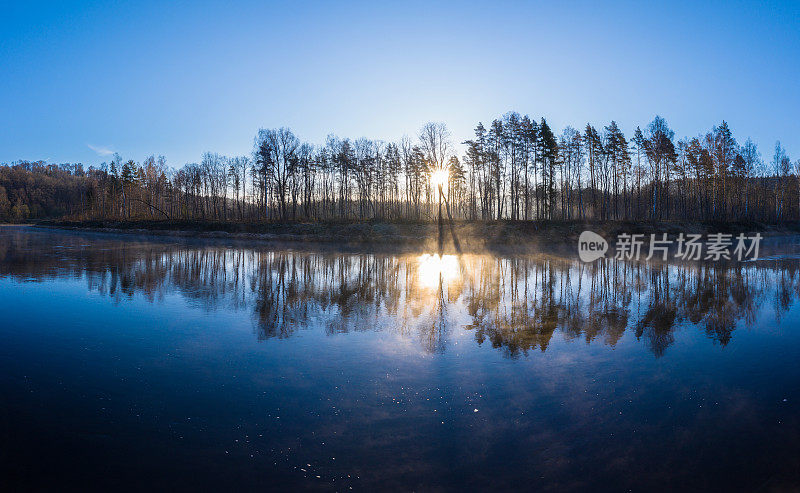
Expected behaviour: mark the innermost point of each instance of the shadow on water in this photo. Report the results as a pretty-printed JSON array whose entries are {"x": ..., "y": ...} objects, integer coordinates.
[{"x": 514, "y": 303}]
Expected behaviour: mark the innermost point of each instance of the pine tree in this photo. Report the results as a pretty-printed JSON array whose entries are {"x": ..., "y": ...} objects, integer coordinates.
[{"x": 548, "y": 152}]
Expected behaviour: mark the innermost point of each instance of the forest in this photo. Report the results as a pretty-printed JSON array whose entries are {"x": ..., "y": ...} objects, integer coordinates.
[{"x": 515, "y": 169}]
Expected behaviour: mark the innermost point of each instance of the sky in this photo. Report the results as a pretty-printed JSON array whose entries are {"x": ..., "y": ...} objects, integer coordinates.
[{"x": 81, "y": 80}]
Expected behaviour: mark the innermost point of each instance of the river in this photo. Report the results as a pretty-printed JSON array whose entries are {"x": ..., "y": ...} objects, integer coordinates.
[{"x": 128, "y": 362}]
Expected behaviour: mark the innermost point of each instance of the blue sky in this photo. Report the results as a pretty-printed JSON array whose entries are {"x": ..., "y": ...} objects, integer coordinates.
[{"x": 81, "y": 79}]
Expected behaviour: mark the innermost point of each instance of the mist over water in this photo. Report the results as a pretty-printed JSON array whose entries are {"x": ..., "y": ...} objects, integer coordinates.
[{"x": 215, "y": 364}]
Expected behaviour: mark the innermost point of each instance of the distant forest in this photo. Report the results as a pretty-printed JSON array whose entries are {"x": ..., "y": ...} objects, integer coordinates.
[{"x": 516, "y": 169}]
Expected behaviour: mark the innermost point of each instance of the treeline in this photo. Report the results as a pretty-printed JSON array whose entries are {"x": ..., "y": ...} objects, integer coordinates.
[
  {"x": 37, "y": 190},
  {"x": 517, "y": 168}
]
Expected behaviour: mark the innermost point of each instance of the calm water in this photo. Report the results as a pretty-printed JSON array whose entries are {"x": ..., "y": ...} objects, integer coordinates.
[{"x": 128, "y": 362}]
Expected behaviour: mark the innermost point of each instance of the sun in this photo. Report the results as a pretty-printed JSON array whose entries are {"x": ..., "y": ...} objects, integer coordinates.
[{"x": 440, "y": 177}]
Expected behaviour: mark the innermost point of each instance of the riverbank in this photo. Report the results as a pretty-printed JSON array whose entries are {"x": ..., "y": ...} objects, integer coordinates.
[{"x": 472, "y": 236}]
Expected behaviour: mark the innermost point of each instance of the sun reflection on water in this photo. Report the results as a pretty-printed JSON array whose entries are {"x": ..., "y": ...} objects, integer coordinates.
[{"x": 435, "y": 268}]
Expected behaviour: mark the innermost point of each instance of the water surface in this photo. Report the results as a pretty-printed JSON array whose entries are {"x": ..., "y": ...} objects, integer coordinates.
[{"x": 127, "y": 362}]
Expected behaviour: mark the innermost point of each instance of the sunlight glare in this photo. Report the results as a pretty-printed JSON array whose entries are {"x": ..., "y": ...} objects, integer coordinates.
[
  {"x": 440, "y": 177},
  {"x": 432, "y": 268}
]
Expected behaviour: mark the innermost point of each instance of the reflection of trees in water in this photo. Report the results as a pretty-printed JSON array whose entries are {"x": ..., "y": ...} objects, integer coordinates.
[{"x": 514, "y": 303}]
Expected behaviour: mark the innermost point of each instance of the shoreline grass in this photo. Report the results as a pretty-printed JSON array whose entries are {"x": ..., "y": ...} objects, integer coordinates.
[{"x": 473, "y": 236}]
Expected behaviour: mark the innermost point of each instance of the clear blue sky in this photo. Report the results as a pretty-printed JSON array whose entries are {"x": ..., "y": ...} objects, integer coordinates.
[{"x": 80, "y": 79}]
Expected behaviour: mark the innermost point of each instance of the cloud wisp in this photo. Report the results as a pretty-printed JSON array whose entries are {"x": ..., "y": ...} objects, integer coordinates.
[{"x": 100, "y": 150}]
